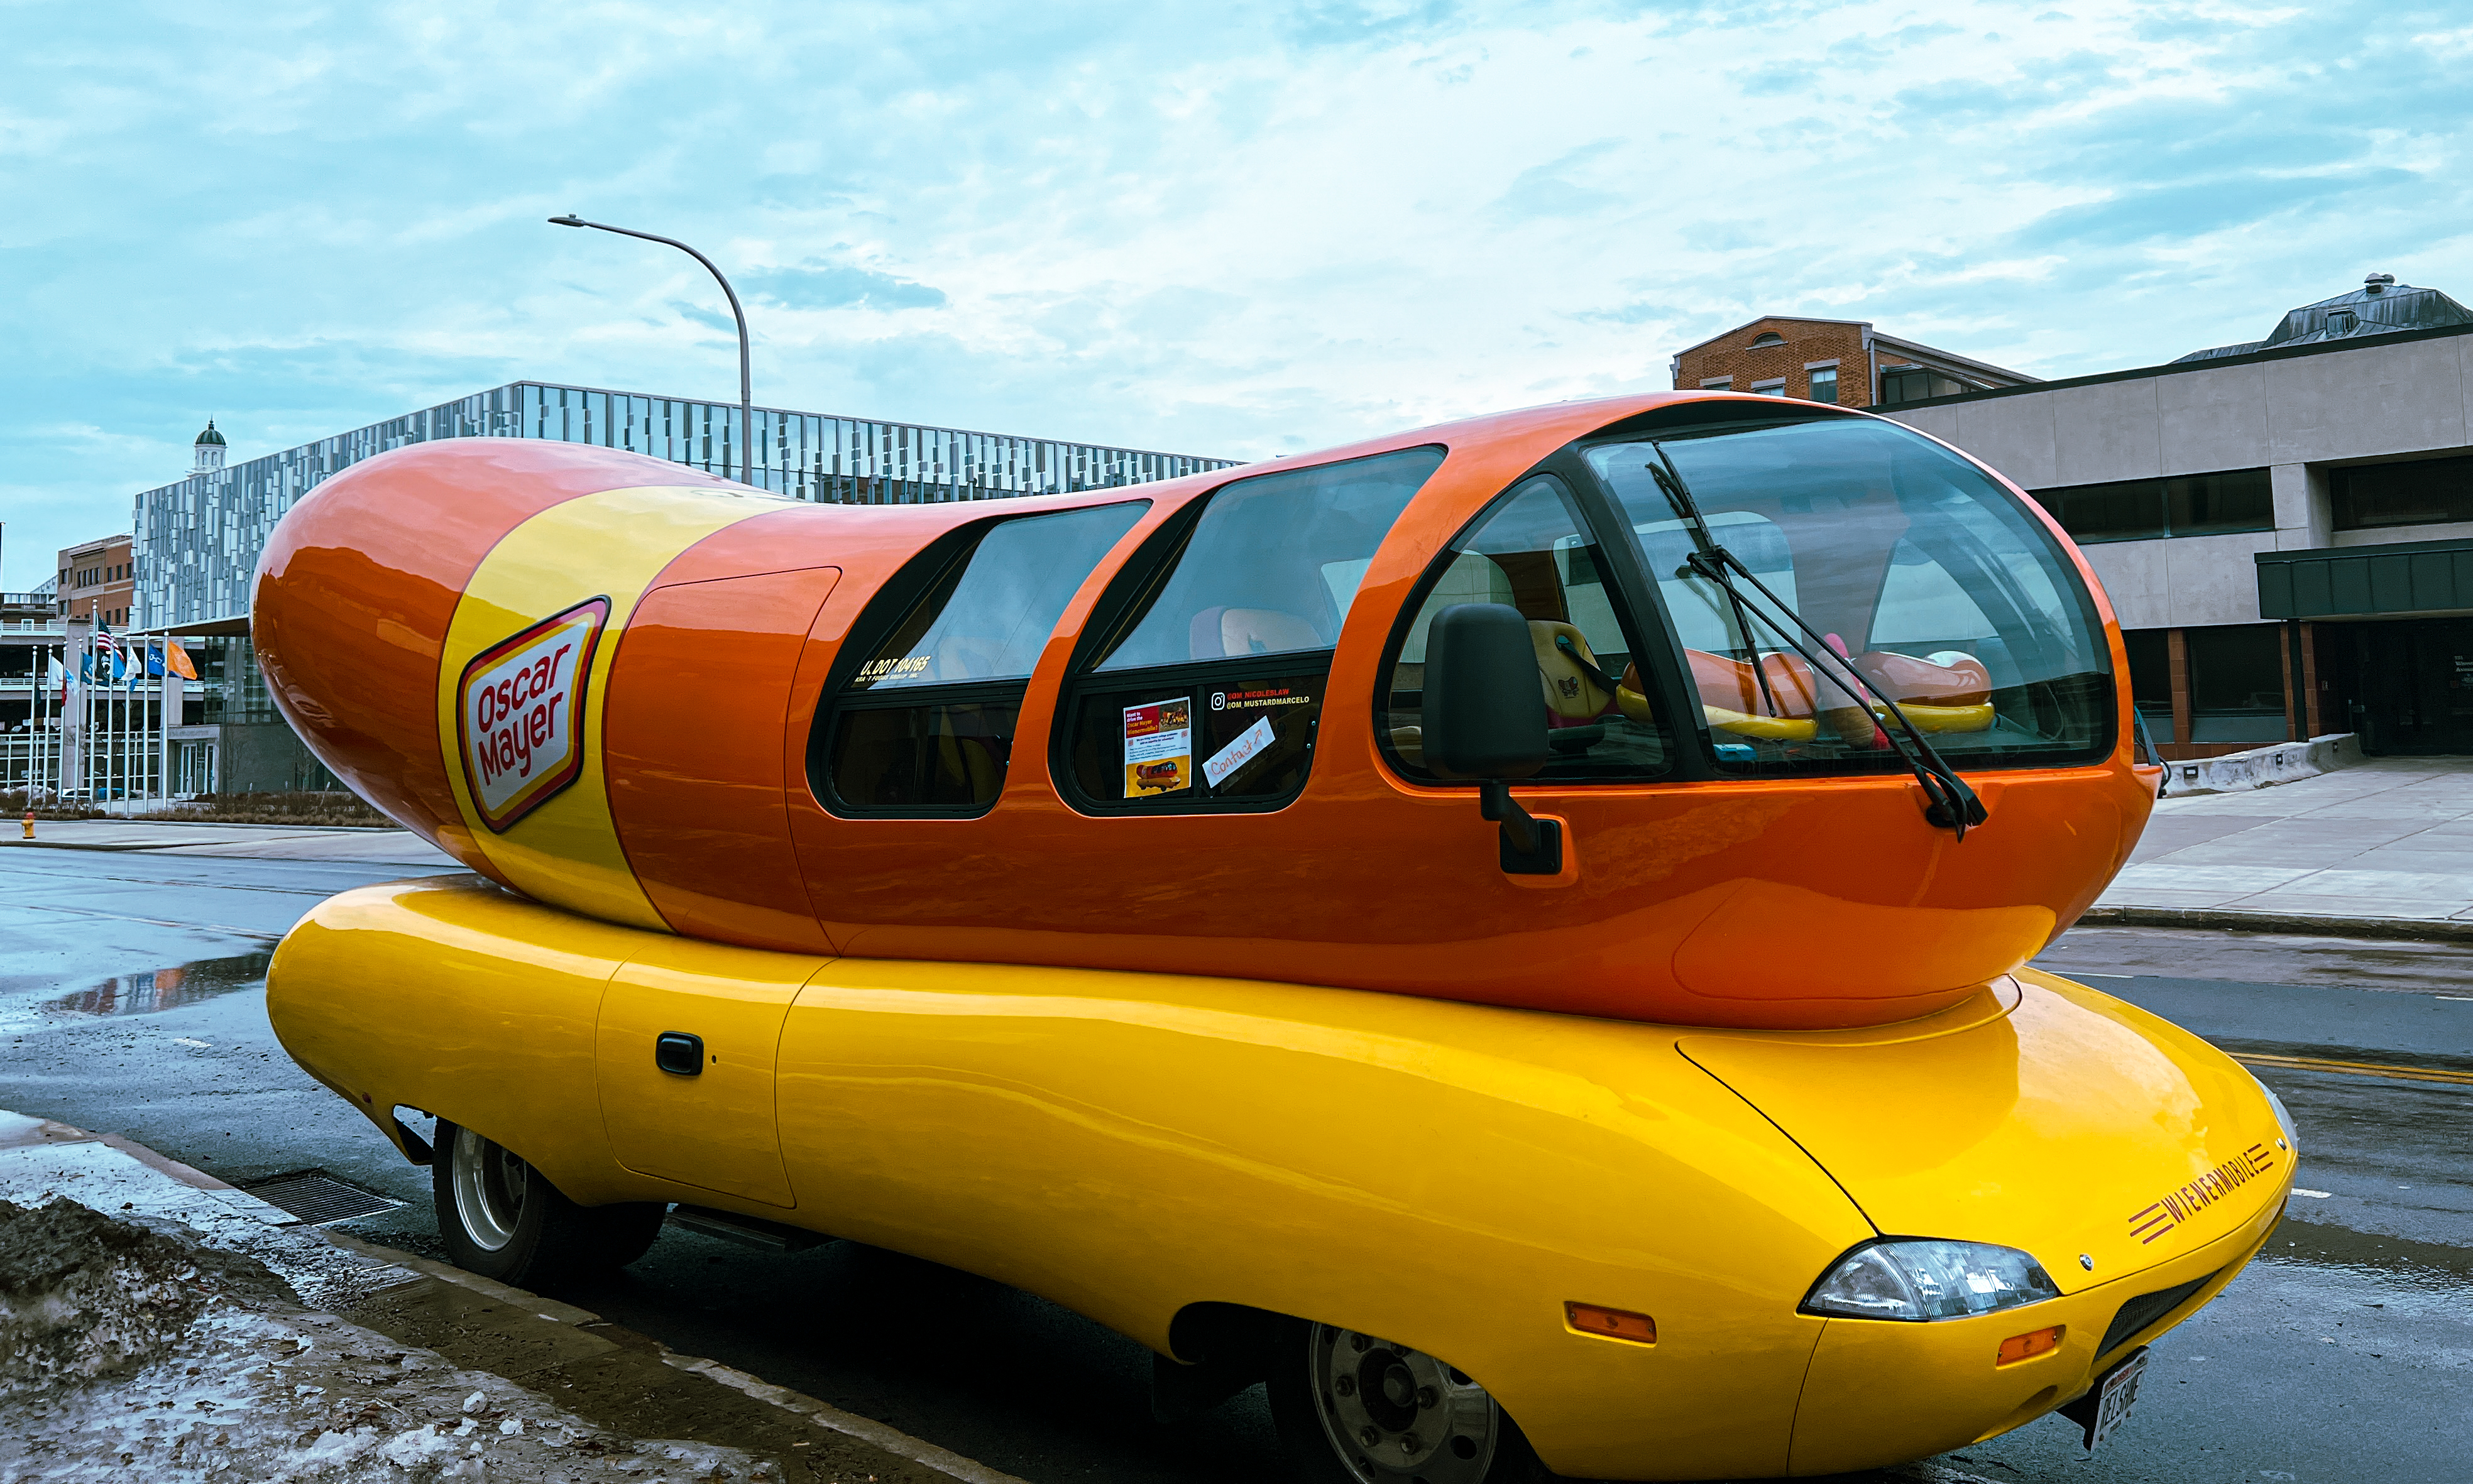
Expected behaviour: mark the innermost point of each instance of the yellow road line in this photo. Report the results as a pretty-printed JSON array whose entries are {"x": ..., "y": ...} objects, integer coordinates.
[{"x": 2311, "y": 1063}]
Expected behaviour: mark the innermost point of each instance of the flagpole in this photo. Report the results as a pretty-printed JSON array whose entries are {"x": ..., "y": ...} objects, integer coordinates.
[{"x": 163, "y": 716}]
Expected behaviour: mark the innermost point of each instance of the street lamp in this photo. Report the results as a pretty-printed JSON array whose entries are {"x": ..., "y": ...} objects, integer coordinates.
[{"x": 746, "y": 395}]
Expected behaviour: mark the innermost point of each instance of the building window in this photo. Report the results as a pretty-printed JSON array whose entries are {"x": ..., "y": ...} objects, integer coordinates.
[
  {"x": 1717, "y": 384},
  {"x": 1915, "y": 384},
  {"x": 2150, "y": 677},
  {"x": 1824, "y": 384},
  {"x": 2235, "y": 684},
  {"x": 2144, "y": 510},
  {"x": 2423, "y": 491},
  {"x": 1773, "y": 388},
  {"x": 1765, "y": 339}
]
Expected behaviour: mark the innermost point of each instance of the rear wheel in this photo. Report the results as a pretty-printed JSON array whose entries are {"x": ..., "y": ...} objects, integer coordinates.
[
  {"x": 1354, "y": 1409},
  {"x": 502, "y": 1219}
]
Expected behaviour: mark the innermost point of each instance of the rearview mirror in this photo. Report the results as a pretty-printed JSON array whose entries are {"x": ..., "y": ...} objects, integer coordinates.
[{"x": 1484, "y": 718}]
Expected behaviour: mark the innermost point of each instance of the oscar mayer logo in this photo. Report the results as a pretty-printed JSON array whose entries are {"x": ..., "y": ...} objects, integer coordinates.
[
  {"x": 2211, "y": 1185},
  {"x": 520, "y": 713}
]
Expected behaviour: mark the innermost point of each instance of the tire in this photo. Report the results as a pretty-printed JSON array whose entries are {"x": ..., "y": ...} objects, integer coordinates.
[
  {"x": 1353, "y": 1409},
  {"x": 503, "y": 1220}
]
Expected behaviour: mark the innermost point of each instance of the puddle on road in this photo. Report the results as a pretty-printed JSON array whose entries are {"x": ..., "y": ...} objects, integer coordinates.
[
  {"x": 156, "y": 990},
  {"x": 2307, "y": 1244}
]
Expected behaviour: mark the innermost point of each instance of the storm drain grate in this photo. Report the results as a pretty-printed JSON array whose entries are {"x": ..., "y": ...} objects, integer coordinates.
[{"x": 318, "y": 1198}]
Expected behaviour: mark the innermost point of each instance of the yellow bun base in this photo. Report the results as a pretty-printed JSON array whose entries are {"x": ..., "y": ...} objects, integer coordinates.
[
  {"x": 1944, "y": 718},
  {"x": 1774, "y": 728}
]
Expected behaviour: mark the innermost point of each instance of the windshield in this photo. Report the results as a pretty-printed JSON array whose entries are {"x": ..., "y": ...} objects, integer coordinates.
[{"x": 1945, "y": 594}]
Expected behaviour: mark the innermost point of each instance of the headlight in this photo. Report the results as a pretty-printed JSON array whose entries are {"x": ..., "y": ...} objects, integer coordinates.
[{"x": 1915, "y": 1278}]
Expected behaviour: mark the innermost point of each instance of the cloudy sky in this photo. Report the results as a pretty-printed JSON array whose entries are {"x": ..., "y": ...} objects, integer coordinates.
[{"x": 1227, "y": 229}]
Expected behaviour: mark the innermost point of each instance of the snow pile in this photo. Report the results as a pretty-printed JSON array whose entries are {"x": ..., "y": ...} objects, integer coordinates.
[
  {"x": 130, "y": 1350},
  {"x": 83, "y": 1298}
]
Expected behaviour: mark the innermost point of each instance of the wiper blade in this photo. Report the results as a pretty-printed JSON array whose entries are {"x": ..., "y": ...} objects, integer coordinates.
[{"x": 1950, "y": 802}]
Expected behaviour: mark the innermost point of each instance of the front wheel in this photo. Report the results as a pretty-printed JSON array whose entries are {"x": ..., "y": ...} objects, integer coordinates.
[
  {"x": 1354, "y": 1409},
  {"x": 502, "y": 1219}
]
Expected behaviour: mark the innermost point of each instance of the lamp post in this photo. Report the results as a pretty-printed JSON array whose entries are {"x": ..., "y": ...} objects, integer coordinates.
[{"x": 746, "y": 395}]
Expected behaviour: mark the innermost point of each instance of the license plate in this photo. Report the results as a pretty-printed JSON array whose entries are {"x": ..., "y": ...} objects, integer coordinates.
[{"x": 2115, "y": 1396}]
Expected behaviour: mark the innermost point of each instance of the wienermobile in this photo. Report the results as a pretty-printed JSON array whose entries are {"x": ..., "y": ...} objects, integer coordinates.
[{"x": 1513, "y": 933}]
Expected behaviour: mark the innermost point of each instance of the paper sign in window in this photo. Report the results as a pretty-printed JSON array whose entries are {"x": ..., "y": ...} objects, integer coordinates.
[
  {"x": 1159, "y": 748},
  {"x": 1249, "y": 745},
  {"x": 519, "y": 712}
]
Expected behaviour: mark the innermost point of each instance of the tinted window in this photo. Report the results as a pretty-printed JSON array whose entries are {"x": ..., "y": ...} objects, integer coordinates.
[
  {"x": 2141, "y": 510},
  {"x": 1949, "y": 597},
  {"x": 926, "y": 724},
  {"x": 2150, "y": 670},
  {"x": 1197, "y": 741},
  {"x": 950, "y": 756},
  {"x": 993, "y": 610},
  {"x": 1532, "y": 551},
  {"x": 1273, "y": 564},
  {"x": 2423, "y": 491},
  {"x": 1914, "y": 385},
  {"x": 2236, "y": 683}
]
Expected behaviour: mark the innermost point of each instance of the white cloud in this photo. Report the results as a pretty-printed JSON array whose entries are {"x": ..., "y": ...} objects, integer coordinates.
[{"x": 1210, "y": 229}]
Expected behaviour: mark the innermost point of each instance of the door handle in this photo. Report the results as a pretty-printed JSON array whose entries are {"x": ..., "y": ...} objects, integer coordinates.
[{"x": 677, "y": 1052}]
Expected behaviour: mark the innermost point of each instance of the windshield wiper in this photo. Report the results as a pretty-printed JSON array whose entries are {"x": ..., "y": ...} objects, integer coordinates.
[{"x": 1950, "y": 802}]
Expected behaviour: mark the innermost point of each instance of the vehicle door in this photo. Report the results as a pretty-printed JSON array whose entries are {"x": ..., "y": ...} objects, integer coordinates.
[{"x": 683, "y": 1059}]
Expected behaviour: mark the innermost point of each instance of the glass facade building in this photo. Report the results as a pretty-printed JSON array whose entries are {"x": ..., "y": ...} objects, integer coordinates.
[{"x": 197, "y": 540}]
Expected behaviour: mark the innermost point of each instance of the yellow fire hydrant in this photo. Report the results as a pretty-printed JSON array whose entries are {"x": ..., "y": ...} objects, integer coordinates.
[{"x": 30, "y": 823}]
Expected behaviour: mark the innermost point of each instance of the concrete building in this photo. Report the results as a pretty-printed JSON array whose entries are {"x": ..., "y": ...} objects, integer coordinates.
[
  {"x": 2284, "y": 525},
  {"x": 197, "y": 540},
  {"x": 30, "y": 633},
  {"x": 1844, "y": 360}
]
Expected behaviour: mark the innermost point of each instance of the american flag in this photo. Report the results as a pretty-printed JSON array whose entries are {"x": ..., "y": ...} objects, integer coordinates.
[{"x": 103, "y": 641}]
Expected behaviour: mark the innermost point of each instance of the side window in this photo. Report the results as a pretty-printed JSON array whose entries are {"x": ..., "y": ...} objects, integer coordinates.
[
  {"x": 924, "y": 725},
  {"x": 1209, "y": 692},
  {"x": 1533, "y": 551}
]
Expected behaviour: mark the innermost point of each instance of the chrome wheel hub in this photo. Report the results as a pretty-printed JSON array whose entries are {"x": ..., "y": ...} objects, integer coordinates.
[
  {"x": 490, "y": 1184},
  {"x": 1398, "y": 1415}
]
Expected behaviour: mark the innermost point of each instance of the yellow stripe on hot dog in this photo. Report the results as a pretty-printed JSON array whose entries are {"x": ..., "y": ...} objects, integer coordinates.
[{"x": 565, "y": 850}]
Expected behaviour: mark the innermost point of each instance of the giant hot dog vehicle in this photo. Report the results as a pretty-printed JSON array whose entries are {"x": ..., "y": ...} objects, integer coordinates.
[{"x": 1514, "y": 933}]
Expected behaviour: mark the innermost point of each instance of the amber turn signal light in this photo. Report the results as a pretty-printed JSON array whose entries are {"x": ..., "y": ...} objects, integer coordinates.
[
  {"x": 1614, "y": 1324},
  {"x": 2028, "y": 1346}
]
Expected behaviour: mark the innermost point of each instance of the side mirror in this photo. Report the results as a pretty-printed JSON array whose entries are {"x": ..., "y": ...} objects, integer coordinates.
[{"x": 1484, "y": 718}]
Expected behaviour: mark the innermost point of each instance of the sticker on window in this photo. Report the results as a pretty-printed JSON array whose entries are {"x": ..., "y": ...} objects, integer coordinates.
[
  {"x": 1223, "y": 764},
  {"x": 518, "y": 710},
  {"x": 1256, "y": 699},
  {"x": 1159, "y": 748}
]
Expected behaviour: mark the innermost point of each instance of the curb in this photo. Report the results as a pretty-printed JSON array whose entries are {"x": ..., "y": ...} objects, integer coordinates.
[
  {"x": 2234, "y": 919},
  {"x": 824, "y": 1414},
  {"x": 73, "y": 845},
  {"x": 581, "y": 1331}
]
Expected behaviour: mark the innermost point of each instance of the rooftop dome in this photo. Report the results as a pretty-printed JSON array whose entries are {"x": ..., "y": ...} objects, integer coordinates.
[
  {"x": 2380, "y": 306},
  {"x": 210, "y": 437}
]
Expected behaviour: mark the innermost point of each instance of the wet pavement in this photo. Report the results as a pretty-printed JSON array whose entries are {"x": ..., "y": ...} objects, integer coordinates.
[{"x": 2346, "y": 1352}]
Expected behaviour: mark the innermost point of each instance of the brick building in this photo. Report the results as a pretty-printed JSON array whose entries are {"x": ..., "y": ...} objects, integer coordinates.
[
  {"x": 1844, "y": 360},
  {"x": 97, "y": 581}
]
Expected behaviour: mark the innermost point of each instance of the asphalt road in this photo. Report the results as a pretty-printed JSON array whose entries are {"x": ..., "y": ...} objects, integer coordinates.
[{"x": 2346, "y": 1352}]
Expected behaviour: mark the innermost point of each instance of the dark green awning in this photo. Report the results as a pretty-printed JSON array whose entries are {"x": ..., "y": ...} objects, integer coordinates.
[{"x": 2361, "y": 582}]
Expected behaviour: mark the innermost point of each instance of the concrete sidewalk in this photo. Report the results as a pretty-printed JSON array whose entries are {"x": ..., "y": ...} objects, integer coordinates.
[
  {"x": 268, "y": 842},
  {"x": 2385, "y": 848},
  {"x": 408, "y": 1358}
]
